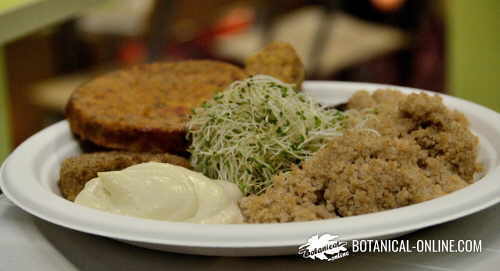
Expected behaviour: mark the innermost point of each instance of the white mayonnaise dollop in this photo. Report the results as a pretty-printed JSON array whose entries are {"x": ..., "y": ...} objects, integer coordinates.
[{"x": 164, "y": 192}]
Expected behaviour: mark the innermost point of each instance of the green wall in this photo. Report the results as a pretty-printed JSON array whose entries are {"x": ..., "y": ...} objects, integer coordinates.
[
  {"x": 4, "y": 123},
  {"x": 8, "y": 4},
  {"x": 474, "y": 51}
]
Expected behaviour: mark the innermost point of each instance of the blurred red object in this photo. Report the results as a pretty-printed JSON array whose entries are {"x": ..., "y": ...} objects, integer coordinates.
[
  {"x": 235, "y": 21},
  {"x": 388, "y": 5},
  {"x": 132, "y": 52}
]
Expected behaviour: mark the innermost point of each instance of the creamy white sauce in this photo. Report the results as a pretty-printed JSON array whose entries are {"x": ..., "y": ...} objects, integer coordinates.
[{"x": 163, "y": 192}]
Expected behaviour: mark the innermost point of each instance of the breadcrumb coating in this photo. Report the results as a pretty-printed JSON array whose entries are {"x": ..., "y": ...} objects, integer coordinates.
[
  {"x": 145, "y": 108},
  {"x": 422, "y": 151},
  {"x": 279, "y": 60}
]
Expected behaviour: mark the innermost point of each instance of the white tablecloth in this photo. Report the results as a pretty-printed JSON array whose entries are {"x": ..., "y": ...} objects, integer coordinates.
[{"x": 29, "y": 243}]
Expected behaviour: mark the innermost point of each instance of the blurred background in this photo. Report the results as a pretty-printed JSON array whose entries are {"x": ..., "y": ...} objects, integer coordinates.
[{"x": 450, "y": 46}]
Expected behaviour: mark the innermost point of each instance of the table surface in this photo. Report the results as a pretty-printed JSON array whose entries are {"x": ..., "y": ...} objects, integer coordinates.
[{"x": 29, "y": 243}]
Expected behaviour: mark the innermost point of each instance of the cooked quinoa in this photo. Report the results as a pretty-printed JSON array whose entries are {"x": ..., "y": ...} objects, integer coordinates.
[{"x": 420, "y": 150}]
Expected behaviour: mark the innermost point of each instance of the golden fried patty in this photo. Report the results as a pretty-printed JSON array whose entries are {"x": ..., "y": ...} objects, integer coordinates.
[
  {"x": 77, "y": 171},
  {"x": 144, "y": 108},
  {"x": 279, "y": 60}
]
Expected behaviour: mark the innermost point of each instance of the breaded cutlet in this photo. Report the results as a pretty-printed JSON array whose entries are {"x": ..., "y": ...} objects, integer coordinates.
[
  {"x": 280, "y": 60},
  {"x": 77, "y": 171},
  {"x": 144, "y": 108}
]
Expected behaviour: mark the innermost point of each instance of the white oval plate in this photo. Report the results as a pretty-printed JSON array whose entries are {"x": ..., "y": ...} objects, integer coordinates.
[{"x": 29, "y": 178}]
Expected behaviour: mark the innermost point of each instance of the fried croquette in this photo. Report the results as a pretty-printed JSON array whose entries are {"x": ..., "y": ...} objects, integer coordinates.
[
  {"x": 409, "y": 149},
  {"x": 145, "y": 108},
  {"x": 76, "y": 171},
  {"x": 279, "y": 60}
]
